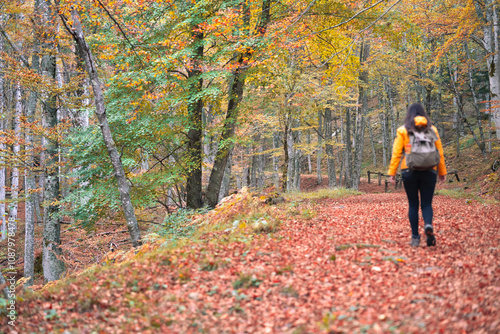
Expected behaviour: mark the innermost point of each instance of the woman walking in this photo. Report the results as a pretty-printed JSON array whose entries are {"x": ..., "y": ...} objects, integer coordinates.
[{"x": 419, "y": 176}]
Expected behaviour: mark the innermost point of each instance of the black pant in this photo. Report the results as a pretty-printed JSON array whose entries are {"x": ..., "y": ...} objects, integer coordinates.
[{"x": 424, "y": 182}]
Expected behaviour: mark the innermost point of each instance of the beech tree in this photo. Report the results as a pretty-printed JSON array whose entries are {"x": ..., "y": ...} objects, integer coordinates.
[{"x": 77, "y": 32}]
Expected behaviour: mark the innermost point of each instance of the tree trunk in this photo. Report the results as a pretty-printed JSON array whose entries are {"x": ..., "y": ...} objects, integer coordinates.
[
  {"x": 53, "y": 266},
  {"x": 30, "y": 182},
  {"x": 309, "y": 163},
  {"x": 3, "y": 147},
  {"x": 276, "y": 145},
  {"x": 460, "y": 110},
  {"x": 261, "y": 178},
  {"x": 360, "y": 116},
  {"x": 195, "y": 112},
  {"x": 487, "y": 11},
  {"x": 319, "y": 150},
  {"x": 291, "y": 160},
  {"x": 348, "y": 150},
  {"x": 332, "y": 178},
  {"x": 226, "y": 180},
  {"x": 14, "y": 189},
  {"x": 383, "y": 121},
  {"x": 235, "y": 96},
  {"x": 255, "y": 162},
  {"x": 341, "y": 153},
  {"x": 123, "y": 185},
  {"x": 297, "y": 159},
  {"x": 284, "y": 173},
  {"x": 476, "y": 101},
  {"x": 372, "y": 141}
]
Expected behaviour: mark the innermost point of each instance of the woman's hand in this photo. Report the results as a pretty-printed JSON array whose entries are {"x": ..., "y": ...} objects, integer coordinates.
[
  {"x": 442, "y": 178},
  {"x": 392, "y": 179}
]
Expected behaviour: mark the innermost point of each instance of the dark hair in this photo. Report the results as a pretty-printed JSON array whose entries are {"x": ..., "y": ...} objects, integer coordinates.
[{"x": 414, "y": 110}]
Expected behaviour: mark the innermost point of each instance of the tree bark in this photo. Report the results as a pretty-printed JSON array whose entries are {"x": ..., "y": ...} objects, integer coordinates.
[
  {"x": 297, "y": 158},
  {"x": 3, "y": 147},
  {"x": 372, "y": 141},
  {"x": 460, "y": 111},
  {"x": 332, "y": 178},
  {"x": 261, "y": 177},
  {"x": 360, "y": 116},
  {"x": 348, "y": 150},
  {"x": 319, "y": 150},
  {"x": 487, "y": 11},
  {"x": 195, "y": 114},
  {"x": 30, "y": 182},
  {"x": 14, "y": 188},
  {"x": 123, "y": 185},
  {"x": 276, "y": 145},
  {"x": 226, "y": 180},
  {"x": 255, "y": 163},
  {"x": 476, "y": 101},
  {"x": 53, "y": 266},
  {"x": 309, "y": 162},
  {"x": 383, "y": 121},
  {"x": 291, "y": 158},
  {"x": 284, "y": 173}
]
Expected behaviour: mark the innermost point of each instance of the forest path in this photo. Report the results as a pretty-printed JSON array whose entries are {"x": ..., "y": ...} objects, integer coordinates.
[{"x": 336, "y": 266}]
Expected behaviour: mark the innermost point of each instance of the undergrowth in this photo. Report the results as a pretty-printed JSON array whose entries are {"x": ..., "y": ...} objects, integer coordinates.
[{"x": 322, "y": 194}]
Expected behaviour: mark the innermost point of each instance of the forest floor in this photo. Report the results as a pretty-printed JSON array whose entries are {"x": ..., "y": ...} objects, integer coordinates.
[{"x": 311, "y": 264}]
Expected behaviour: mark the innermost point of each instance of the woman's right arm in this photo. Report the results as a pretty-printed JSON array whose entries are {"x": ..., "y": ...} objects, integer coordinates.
[{"x": 397, "y": 152}]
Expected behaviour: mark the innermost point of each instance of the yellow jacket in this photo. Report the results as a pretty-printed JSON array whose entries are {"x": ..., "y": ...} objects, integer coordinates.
[{"x": 403, "y": 139}]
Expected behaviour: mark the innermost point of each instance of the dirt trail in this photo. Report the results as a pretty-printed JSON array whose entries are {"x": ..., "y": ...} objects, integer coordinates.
[{"x": 346, "y": 267}]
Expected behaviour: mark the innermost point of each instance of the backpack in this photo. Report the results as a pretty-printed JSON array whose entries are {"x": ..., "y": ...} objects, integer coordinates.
[{"x": 422, "y": 153}]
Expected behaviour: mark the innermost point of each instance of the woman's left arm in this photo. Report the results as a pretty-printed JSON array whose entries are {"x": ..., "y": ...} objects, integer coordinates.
[{"x": 441, "y": 166}]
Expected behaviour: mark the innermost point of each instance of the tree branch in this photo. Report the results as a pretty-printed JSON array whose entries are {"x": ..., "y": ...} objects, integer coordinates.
[
  {"x": 121, "y": 30},
  {"x": 7, "y": 39}
]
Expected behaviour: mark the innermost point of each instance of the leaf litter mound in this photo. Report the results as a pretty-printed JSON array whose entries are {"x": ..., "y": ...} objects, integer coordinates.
[{"x": 335, "y": 265}]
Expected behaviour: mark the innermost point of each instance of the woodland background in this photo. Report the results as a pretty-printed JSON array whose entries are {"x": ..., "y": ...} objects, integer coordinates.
[{"x": 132, "y": 110}]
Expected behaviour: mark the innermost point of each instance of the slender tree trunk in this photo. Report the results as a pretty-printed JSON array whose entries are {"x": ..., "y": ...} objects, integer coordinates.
[
  {"x": 360, "y": 116},
  {"x": 284, "y": 173},
  {"x": 3, "y": 147},
  {"x": 390, "y": 110},
  {"x": 490, "y": 125},
  {"x": 383, "y": 121},
  {"x": 195, "y": 111},
  {"x": 291, "y": 161},
  {"x": 460, "y": 110},
  {"x": 261, "y": 178},
  {"x": 372, "y": 142},
  {"x": 309, "y": 163},
  {"x": 255, "y": 161},
  {"x": 53, "y": 266},
  {"x": 14, "y": 189},
  {"x": 226, "y": 180},
  {"x": 276, "y": 177},
  {"x": 476, "y": 101},
  {"x": 297, "y": 159},
  {"x": 332, "y": 178},
  {"x": 487, "y": 11},
  {"x": 123, "y": 185},
  {"x": 235, "y": 96},
  {"x": 348, "y": 146},
  {"x": 30, "y": 182},
  {"x": 319, "y": 150},
  {"x": 341, "y": 153}
]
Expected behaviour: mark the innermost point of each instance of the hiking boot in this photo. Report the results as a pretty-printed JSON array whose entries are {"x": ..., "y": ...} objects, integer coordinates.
[
  {"x": 415, "y": 242},
  {"x": 429, "y": 232}
]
